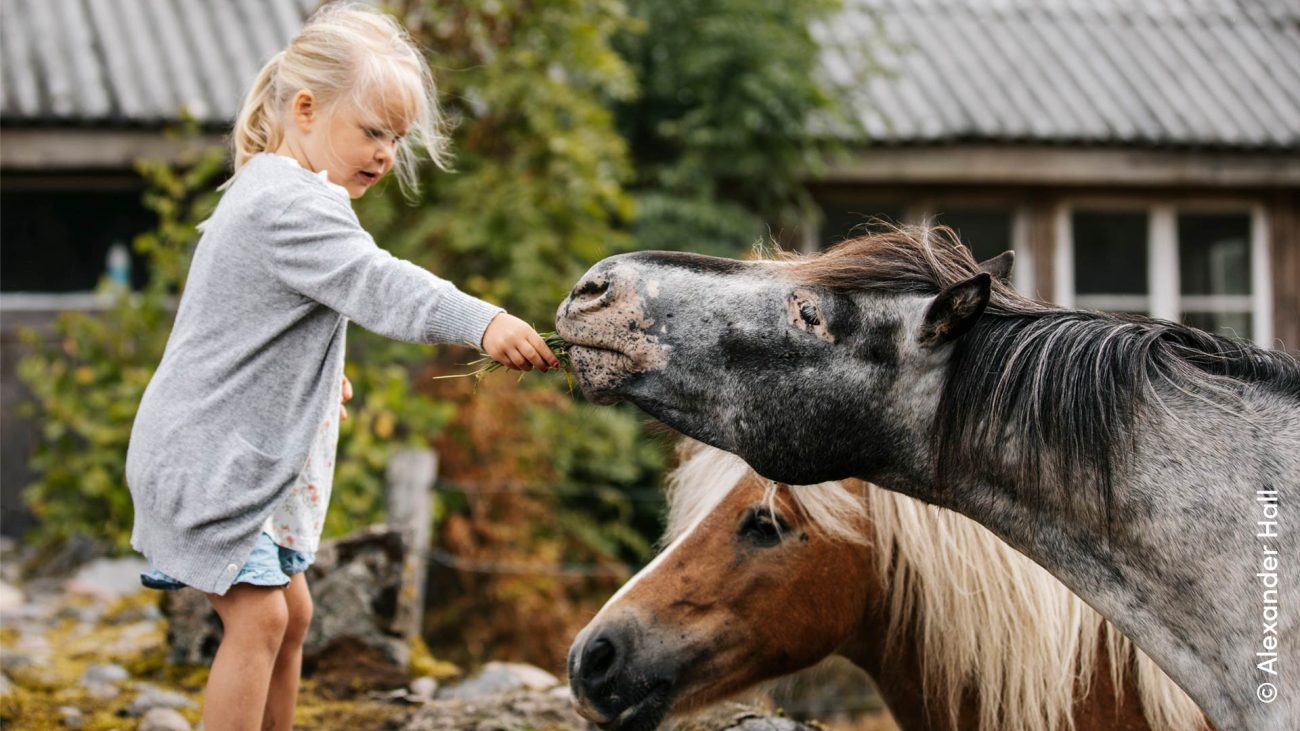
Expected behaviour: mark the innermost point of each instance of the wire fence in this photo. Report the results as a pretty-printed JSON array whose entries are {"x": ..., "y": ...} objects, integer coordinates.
[
  {"x": 567, "y": 490},
  {"x": 602, "y": 493}
]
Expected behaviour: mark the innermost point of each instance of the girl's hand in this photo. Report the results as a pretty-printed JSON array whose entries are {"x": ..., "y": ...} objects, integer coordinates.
[
  {"x": 511, "y": 342},
  {"x": 347, "y": 396}
]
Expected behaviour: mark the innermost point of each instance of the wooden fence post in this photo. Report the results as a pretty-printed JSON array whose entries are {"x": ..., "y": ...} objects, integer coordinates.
[{"x": 411, "y": 473}]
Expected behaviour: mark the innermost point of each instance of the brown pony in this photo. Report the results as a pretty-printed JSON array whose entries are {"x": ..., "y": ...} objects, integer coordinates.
[{"x": 958, "y": 630}]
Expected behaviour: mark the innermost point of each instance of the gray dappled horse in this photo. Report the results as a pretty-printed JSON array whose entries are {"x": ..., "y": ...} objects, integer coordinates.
[{"x": 1138, "y": 460}]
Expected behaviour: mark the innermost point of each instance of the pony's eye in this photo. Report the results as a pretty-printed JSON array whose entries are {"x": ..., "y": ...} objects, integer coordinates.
[
  {"x": 809, "y": 314},
  {"x": 760, "y": 529}
]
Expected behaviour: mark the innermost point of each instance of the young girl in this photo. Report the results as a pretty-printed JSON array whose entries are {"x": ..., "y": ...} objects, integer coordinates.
[{"x": 232, "y": 449}]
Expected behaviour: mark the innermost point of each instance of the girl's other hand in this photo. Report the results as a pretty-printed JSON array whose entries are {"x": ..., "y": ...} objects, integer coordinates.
[
  {"x": 347, "y": 396},
  {"x": 511, "y": 342}
]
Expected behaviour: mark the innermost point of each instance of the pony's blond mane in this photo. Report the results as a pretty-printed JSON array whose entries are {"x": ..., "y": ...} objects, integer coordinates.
[{"x": 989, "y": 620}]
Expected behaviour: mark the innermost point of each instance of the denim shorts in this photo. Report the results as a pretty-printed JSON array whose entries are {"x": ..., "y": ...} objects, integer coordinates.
[{"x": 268, "y": 565}]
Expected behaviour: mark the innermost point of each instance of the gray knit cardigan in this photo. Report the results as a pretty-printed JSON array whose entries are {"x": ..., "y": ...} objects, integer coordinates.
[{"x": 226, "y": 422}]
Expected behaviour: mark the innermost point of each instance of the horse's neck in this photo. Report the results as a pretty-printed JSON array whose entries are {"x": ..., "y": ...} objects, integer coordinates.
[
  {"x": 1170, "y": 567},
  {"x": 896, "y": 666}
]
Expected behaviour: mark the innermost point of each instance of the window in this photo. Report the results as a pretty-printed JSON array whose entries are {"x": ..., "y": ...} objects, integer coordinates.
[
  {"x": 57, "y": 240},
  {"x": 1214, "y": 272},
  {"x": 987, "y": 231},
  {"x": 841, "y": 220},
  {"x": 1204, "y": 268},
  {"x": 1110, "y": 261}
]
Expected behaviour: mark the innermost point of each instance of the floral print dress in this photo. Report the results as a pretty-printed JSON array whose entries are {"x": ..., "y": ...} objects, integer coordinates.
[{"x": 298, "y": 520}]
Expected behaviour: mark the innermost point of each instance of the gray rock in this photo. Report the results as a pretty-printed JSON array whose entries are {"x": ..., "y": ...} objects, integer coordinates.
[
  {"x": 163, "y": 719},
  {"x": 421, "y": 691},
  {"x": 193, "y": 629},
  {"x": 501, "y": 677},
  {"x": 80, "y": 614},
  {"x": 533, "y": 709},
  {"x": 518, "y": 710},
  {"x": 11, "y": 597},
  {"x": 355, "y": 583},
  {"x": 108, "y": 578},
  {"x": 424, "y": 687},
  {"x": 27, "y": 612},
  {"x": 33, "y": 643},
  {"x": 6, "y": 686},
  {"x": 102, "y": 691},
  {"x": 151, "y": 696},
  {"x": 104, "y": 673},
  {"x": 72, "y": 717},
  {"x": 736, "y": 717},
  {"x": 561, "y": 691},
  {"x": 131, "y": 640},
  {"x": 64, "y": 558},
  {"x": 11, "y": 659},
  {"x": 11, "y": 568}
]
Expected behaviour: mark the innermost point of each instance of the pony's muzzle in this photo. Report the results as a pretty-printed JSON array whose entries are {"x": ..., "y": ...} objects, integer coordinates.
[{"x": 594, "y": 668}]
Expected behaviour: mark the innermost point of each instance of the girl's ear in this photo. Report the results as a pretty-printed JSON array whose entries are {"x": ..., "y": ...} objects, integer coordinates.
[{"x": 303, "y": 110}]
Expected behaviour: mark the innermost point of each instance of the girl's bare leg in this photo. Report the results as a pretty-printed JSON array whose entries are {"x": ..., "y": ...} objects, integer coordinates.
[
  {"x": 283, "y": 698},
  {"x": 253, "y": 619}
]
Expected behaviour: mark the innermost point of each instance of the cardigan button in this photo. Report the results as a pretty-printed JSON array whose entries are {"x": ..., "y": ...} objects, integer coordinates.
[{"x": 231, "y": 569}]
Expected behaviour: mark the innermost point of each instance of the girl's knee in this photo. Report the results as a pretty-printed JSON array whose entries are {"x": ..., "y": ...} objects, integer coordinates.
[
  {"x": 259, "y": 614},
  {"x": 300, "y": 608}
]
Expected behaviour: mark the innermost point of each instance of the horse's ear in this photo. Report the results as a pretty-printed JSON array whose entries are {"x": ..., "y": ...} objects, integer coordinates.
[
  {"x": 1000, "y": 266},
  {"x": 955, "y": 311}
]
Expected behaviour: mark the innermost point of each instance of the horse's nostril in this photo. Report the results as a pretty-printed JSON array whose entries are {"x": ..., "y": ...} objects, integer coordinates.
[
  {"x": 600, "y": 657},
  {"x": 591, "y": 289}
]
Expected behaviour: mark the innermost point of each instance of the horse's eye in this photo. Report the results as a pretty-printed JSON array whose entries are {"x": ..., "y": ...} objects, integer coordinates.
[
  {"x": 809, "y": 314},
  {"x": 760, "y": 529}
]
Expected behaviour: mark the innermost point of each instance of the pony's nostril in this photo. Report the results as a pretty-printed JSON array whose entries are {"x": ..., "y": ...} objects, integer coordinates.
[
  {"x": 591, "y": 289},
  {"x": 599, "y": 658}
]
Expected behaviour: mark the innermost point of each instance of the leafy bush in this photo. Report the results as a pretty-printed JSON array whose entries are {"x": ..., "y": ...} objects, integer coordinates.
[{"x": 88, "y": 374}]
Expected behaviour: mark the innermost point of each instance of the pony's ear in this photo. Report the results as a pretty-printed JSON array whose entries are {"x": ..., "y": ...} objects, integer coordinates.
[
  {"x": 955, "y": 310},
  {"x": 1000, "y": 266}
]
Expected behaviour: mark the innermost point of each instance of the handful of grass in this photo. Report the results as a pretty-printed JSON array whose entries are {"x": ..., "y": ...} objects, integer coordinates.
[{"x": 485, "y": 363}]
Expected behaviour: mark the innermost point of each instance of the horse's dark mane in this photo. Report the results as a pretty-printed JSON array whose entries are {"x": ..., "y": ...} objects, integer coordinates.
[
  {"x": 1067, "y": 386},
  {"x": 1064, "y": 385}
]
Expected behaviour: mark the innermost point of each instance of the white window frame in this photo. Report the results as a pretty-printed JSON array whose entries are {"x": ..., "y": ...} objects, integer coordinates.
[{"x": 1163, "y": 297}]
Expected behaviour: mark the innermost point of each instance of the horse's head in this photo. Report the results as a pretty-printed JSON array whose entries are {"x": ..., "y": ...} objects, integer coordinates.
[
  {"x": 779, "y": 361},
  {"x": 750, "y": 590}
]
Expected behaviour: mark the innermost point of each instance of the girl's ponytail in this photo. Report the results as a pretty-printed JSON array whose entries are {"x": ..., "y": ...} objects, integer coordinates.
[{"x": 255, "y": 130}]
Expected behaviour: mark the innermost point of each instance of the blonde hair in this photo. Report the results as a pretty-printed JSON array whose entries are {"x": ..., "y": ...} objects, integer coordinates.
[{"x": 347, "y": 52}]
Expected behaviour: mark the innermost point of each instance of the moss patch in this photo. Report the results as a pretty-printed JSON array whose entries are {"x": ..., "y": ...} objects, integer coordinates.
[{"x": 424, "y": 663}]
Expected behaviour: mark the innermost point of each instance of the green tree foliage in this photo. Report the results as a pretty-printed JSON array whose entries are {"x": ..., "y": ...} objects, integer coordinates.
[
  {"x": 722, "y": 132},
  {"x": 538, "y": 187}
]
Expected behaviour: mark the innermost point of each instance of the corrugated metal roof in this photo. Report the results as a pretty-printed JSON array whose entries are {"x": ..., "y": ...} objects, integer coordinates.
[
  {"x": 135, "y": 62},
  {"x": 1216, "y": 73}
]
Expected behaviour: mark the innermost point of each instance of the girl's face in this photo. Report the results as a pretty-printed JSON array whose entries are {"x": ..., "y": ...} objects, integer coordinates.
[{"x": 356, "y": 149}]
